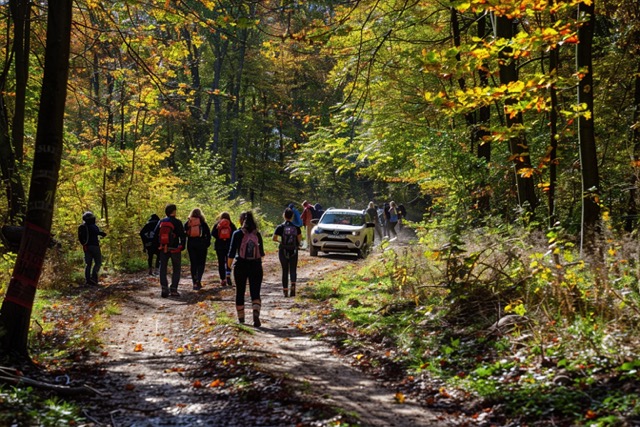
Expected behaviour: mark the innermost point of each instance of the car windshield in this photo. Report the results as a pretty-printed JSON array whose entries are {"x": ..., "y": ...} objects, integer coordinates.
[{"x": 342, "y": 218}]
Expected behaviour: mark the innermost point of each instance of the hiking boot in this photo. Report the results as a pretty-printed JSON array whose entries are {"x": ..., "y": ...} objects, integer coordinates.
[
  {"x": 241, "y": 320},
  {"x": 151, "y": 272},
  {"x": 174, "y": 293},
  {"x": 293, "y": 291},
  {"x": 285, "y": 291},
  {"x": 223, "y": 283},
  {"x": 197, "y": 286},
  {"x": 229, "y": 283},
  {"x": 256, "y": 320},
  {"x": 165, "y": 294}
]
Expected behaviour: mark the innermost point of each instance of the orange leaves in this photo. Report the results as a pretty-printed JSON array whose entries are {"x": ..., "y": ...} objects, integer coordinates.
[
  {"x": 138, "y": 348},
  {"x": 216, "y": 383},
  {"x": 399, "y": 397}
]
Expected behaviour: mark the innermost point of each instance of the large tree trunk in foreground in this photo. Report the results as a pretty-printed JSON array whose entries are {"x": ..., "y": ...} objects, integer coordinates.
[{"x": 15, "y": 314}]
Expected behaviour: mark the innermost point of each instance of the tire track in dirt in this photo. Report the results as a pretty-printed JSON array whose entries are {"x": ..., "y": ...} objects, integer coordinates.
[{"x": 329, "y": 378}]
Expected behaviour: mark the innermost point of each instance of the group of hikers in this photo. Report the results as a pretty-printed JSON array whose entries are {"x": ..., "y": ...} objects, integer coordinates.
[{"x": 238, "y": 250}]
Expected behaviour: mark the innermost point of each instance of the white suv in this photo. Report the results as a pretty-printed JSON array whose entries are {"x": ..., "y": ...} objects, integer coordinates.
[{"x": 343, "y": 230}]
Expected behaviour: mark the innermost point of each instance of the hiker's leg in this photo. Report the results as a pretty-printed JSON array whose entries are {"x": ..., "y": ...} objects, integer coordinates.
[
  {"x": 222, "y": 265},
  {"x": 240, "y": 276},
  {"x": 176, "y": 265},
  {"x": 163, "y": 257},
  {"x": 97, "y": 258},
  {"x": 255, "y": 283},
  {"x": 293, "y": 272},
  {"x": 284, "y": 262}
]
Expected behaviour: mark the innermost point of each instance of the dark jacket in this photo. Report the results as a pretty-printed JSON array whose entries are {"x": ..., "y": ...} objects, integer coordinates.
[
  {"x": 93, "y": 231},
  {"x": 147, "y": 232}
]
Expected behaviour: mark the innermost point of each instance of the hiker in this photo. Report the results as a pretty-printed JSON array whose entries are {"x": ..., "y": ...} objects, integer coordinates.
[
  {"x": 385, "y": 219},
  {"x": 289, "y": 237},
  {"x": 402, "y": 215},
  {"x": 245, "y": 253},
  {"x": 169, "y": 238},
  {"x": 373, "y": 217},
  {"x": 222, "y": 232},
  {"x": 308, "y": 213},
  {"x": 317, "y": 211},
  {"x": 88, "y": 235},
  {"x": 198, "y": 242},
  {"x": 297, "y": 219},
  {"x": 146, "y": 234},
  {"x": 393, "y": 220}
]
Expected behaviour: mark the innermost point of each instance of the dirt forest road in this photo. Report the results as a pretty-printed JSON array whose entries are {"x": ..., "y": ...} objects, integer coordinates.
[{"x": 178, "y": 362}]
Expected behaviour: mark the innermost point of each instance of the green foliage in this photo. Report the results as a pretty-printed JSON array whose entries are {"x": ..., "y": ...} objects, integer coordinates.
[{"x": 23, "y": 406}]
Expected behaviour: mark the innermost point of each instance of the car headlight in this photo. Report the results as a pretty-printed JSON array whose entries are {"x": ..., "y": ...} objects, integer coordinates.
[
  {"x": 318, "y": 230},
  {"x": 355, "y": 233}
]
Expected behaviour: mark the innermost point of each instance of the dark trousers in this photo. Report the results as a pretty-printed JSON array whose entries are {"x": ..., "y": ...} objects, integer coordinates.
[
  {"x": 150, "y": 254},
  {"x": 92, "y": 256},
  {"x": 176, "y": 264},
  {"x": 251, "y": 271},
  {"x": 222, "y": 263},
  {"x": 289, "y": 263},
  {"x": 197, "y": 259}
]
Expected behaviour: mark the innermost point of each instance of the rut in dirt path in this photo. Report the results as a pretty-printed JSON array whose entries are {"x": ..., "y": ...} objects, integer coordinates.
[
  {"x": 149, "y": 381},
  {"x": 312, "y": 362}
]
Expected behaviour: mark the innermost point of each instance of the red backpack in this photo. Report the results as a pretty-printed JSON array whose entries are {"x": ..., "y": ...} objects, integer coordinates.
[
  {"x": 166, "y": 234},
  {"x": 224, "y": 229},
  {"x": 194, "y": 227}
]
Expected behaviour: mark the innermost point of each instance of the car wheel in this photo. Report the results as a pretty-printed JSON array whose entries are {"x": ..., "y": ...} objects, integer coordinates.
[{"x": 313, "y": 251}]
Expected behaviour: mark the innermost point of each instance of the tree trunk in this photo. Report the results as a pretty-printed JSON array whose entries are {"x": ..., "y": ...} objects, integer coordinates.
[
  {"x": 481, "y": 129},
  {"x": 20, "y": 12},
  {"x": 586, "y": 134},
  {"x": 554, "y": 59},
  {"x": 632, "y": 208},
  {"x": 525, "y": 189},
  {"x": 15, "y": 314}
]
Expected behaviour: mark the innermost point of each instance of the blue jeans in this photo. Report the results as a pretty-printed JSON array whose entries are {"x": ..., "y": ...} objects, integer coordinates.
[
  {"x": 176, "y": 263},
  {"x": 92, "y": 255}
]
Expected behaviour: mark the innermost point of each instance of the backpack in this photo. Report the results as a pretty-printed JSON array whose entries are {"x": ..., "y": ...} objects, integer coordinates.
[
  {"x": 289, "y": 236},
  {"x": 393, "y": 215},
  {"x": 83, "y": 234},
  {"x": 317, "y": 211},
  {"x": 224, "y": 229},
  {"x": 250, "y": 246},
  {"x": 166, "y": 234},
  {"x": 195, "y": 227},
  {"x": 297, "y": 221}
]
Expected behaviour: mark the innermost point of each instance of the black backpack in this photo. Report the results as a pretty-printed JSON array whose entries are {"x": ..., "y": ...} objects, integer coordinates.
[
  {"x": 289, "y": 237},
  {"x": 83, "y": 234}
]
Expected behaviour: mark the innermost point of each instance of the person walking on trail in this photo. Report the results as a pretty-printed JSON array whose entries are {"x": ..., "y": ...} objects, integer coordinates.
[
  {"x": 169, "y": 238},
  {"x": 308, "y": 213},
  {"x": 88, "y": 235},
  {"x": 373, "y": 217},
  {"x": 289, "y": 237},
  {"x": 198, "y": 242},
  {"x": 245, "y": 255},
  {"x": 393, "y": 220},
  {"x": 385, "y": 217},
  {"x": 297, "y": 219},
  {"x": 222, "y": 231},
  {"x": 402, "y": 215},
  {"x": 146, "y": 234}
]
